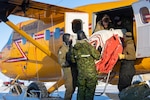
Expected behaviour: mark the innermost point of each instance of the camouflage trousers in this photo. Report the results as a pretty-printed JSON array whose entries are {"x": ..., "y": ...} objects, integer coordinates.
[{"x": 86, "y": 88}]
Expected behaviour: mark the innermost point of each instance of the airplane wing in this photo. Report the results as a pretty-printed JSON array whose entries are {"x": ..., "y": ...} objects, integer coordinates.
[{"x": 32, "y": 9}]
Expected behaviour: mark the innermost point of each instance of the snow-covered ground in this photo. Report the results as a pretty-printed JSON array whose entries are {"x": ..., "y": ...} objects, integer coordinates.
[{"x": 111, "y": 90}]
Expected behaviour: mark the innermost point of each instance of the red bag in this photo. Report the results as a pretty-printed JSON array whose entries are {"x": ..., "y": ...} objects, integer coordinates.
[{"x": 112, "y": 48}]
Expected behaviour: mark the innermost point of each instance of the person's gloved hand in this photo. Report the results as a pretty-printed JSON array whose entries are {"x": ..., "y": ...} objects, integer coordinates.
[{"x": 121, "y": 56}]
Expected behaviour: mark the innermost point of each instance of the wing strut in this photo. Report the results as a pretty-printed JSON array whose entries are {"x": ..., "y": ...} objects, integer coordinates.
[
  {"x": 24, "y": 34},
  {"x": 59, "y": 83},
  {"x": 3, "y": 17}
]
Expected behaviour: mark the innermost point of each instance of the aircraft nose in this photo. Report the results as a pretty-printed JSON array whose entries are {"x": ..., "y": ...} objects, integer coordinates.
[
  {"x": 0, "y": 60},
  {"x": 0, "y": 55}
]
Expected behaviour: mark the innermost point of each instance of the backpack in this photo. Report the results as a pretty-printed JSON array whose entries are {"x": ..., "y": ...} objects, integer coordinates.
[{"x": 135, "y": 92}]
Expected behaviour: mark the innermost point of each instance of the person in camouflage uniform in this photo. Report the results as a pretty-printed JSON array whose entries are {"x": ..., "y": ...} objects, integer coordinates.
[
  {"x": 84, "y": 55},
  {"x": 69, "y": 69}
]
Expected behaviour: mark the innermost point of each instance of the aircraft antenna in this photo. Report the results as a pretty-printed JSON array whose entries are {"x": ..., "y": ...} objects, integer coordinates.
[
  {"x": 36, "y": 64},
  {"x": 52, "y": 24}
]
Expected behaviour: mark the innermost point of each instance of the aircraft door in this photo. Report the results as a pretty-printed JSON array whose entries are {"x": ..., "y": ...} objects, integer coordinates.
[
  {"x": 142, "y": 17},
  {"x": 75, "y": 21}
]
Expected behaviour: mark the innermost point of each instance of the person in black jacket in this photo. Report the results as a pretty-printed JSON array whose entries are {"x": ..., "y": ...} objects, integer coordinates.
[{"x": 127, "y": 70}]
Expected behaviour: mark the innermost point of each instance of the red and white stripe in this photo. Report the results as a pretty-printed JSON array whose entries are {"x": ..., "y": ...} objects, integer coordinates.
[{"x": 22, "y": 58}]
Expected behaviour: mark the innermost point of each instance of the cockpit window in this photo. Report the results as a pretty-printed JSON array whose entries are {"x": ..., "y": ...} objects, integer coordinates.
[
  {"x": 9, "y": 42},
  {"x": 145, "y": 15},
  {"x": 10, "y": 39},
  {"x": 76, "y": 25}
]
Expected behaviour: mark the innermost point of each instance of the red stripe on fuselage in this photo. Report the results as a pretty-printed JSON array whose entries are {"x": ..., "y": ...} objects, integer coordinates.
[{"x": 23, "y": 58}]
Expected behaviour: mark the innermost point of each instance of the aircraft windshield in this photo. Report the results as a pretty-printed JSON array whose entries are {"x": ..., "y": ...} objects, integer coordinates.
[{"x": 8, "y": 42}]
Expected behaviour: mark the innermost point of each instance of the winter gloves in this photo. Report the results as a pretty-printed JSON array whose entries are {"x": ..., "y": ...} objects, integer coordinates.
[{"x": 121, "y": 56}]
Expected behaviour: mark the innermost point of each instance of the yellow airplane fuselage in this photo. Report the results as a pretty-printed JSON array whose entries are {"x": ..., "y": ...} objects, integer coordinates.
[{"x": 29, "y": 62}]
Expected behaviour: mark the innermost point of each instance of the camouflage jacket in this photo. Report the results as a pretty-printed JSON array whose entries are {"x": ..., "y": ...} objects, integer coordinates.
[{"x": 84, "y": 55}]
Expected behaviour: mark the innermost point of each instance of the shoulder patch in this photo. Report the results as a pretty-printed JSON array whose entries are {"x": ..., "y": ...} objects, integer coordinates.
[{"x": 59, "y": 52}]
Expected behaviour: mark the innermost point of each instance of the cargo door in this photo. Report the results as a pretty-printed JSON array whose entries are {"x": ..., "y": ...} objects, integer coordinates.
[
  {"x": 142, "y": 17},
  {"x": 75, "y": 21}
]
